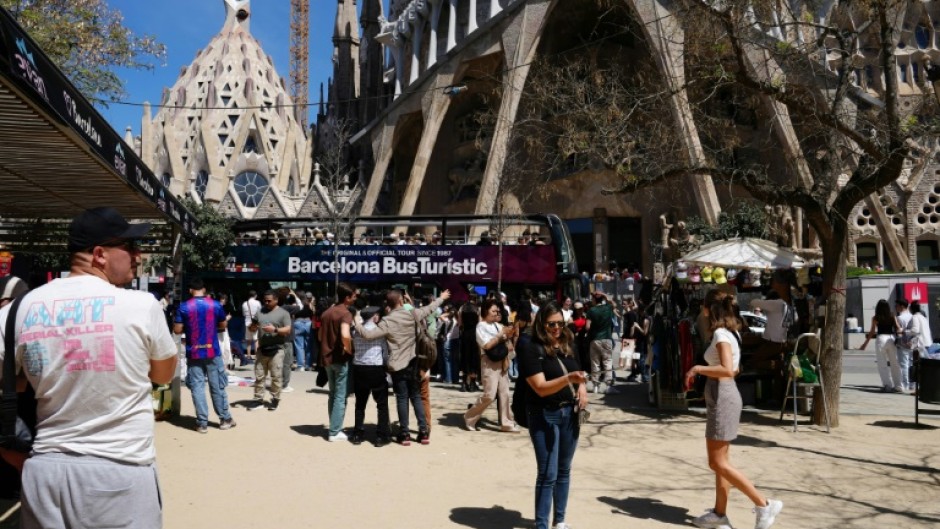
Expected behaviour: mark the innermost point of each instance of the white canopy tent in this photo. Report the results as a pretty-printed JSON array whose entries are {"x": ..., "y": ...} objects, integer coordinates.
[{"x": 744, "y": 252}]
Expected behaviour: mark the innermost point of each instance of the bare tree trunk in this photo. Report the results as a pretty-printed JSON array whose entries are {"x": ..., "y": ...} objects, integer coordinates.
[{"x": 834, "y": 280}]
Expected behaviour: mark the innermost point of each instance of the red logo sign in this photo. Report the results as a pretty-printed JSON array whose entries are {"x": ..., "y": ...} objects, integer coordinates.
[{"x": 915, "y": 292}]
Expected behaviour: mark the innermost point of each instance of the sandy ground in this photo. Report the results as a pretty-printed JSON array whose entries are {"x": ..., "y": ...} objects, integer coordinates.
[{"x": 635, "y": 467}]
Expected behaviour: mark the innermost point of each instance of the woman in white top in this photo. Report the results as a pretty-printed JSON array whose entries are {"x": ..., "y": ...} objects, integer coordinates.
[
  {"x": 495, "y": 343},
  {"x": 723, "y": 402},
  {"x": 919, "y": 331}
]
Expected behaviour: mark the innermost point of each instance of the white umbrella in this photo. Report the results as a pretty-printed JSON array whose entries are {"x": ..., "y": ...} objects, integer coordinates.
[{"x": 744, "y": 252}]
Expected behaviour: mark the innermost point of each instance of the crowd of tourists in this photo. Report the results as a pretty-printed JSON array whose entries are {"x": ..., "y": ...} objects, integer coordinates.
[
  {"x": 325, "y": 237},
  {"x": 93, "y": 413}
]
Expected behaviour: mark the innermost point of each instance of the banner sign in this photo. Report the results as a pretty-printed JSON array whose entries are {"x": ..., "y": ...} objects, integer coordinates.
[
  {"x": 384, "y": 263},
  {"x": 37, "y": 74}
]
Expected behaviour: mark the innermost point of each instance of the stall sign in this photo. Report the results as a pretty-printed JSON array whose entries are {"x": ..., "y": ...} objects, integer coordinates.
[{"x": 6, "y": 263}]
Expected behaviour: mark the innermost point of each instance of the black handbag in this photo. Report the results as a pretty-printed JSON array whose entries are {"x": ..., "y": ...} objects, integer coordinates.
[
  {"x": 498, "y": 352},
  {"x": 17, "y": 428}
]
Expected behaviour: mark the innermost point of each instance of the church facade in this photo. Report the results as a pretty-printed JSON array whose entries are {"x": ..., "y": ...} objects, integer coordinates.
[
  {"x": 444, "y": 59},
  {"x": 410, "y": 85}
]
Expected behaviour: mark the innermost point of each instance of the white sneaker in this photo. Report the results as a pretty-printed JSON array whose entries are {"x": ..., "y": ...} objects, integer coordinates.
[
  {"x": 767, "y": 515},
  {"x": 338, "y": 437},
  {"x": 288, "y": 389},
  {"x": 711, "y": 520},
  {"x": 597, "y": 389},
  {"x": 562, "y": 525}
]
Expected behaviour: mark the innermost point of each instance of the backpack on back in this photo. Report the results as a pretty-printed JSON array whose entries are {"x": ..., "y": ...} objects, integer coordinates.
[{"x": 425, "y": 345}]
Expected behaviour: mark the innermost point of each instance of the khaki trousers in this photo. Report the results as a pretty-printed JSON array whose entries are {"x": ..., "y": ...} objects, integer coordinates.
[
  {"x": 495, "y": 381},
  {"x": 269, "y": 365}
]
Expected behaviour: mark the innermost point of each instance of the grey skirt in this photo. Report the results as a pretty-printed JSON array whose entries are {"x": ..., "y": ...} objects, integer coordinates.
[{"x": 723, "y": 409}]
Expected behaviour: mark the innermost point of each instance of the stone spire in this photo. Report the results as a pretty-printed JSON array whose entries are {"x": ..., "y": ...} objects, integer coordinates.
[
  {"x": 346, "y": 25},
  {"x": 237, "y": 16},
  {"x": 371, "y": 83},
  {"x": 225, "y": 133},
  {"x": 345, "y": 87}
]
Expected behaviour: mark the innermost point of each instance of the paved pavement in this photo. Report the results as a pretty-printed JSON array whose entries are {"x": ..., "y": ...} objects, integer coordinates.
[
  {"x": 861, "y": 391},
  {"x": 636, "y": 467}
]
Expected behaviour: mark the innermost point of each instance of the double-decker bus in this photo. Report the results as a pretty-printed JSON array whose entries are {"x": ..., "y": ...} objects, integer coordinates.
[{"x": 422, "y": 253}]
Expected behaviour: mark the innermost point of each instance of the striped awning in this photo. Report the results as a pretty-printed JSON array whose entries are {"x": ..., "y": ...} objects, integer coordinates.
[{"x": 58, "y": 156}]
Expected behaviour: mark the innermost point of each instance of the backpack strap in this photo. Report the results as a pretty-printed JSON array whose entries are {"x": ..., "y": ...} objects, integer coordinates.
[{"x": 8, "y": 410}]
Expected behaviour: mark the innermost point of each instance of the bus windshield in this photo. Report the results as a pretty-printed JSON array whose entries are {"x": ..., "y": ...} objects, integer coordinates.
[{"x": 427, "y": 253}]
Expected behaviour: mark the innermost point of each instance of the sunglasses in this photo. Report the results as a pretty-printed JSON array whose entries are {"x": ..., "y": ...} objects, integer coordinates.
[
  {"x": 130, "y": 246},
  {"x": 555, "y": 324}
]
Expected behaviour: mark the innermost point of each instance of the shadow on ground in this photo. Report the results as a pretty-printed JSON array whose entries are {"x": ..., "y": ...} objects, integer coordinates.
[
  {"x": 185, "y": 422},
  {"x": 903, "y": 425},
  {"x": 495, "y": 517},
  {"x": 648, "y": 508},
  {"x": 745, "y": 440},
  {"x": 313, "y": 430}
]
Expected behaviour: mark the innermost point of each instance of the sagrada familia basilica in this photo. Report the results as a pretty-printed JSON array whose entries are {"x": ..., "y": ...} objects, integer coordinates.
[{"x": 409, "y": 83}]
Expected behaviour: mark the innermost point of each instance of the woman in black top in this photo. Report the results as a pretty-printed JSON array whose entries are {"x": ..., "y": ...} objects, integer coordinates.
[
  {"x": 468, "y": 318},
  {"x": 549, "y": 364},
  {"x": 884, "y": 327}
]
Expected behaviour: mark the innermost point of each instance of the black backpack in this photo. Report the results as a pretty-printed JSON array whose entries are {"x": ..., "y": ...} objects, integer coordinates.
[{"x": 425, "y": 345}]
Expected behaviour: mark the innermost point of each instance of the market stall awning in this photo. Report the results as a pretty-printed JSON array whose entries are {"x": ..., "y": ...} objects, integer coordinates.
[
  {"x": 58, "y": 156},
  {"x": 744, "y": 252}
]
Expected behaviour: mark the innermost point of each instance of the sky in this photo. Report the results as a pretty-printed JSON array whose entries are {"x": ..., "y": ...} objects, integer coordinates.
[{"x": 186, "y": 26}]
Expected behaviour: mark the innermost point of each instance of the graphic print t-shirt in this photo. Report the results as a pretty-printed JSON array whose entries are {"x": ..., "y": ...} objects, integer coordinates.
[{"x": 86, "y": 347}]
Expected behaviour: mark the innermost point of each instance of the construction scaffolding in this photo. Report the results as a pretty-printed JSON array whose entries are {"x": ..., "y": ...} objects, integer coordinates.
[{"x": 299, "y": 58}]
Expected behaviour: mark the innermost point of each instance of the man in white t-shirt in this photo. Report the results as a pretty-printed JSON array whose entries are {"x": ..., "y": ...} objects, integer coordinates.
[
  {"x": 91, "y": 351},
  {"x": 775, "y": 309},
  {"x": 250, "y": 309},
  {"x": 780, "y": 315}
]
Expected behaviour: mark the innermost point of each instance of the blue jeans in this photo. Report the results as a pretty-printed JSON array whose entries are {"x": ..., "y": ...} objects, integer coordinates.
[
  {"x": 407, "y": 387},
  {"x": 301, "y": 342},
  {"x": 554, "y": 435},
  {"x": 338, "y": 376},
  {"x": 905, "y": 361},
  {"x": 451, "y": 361},
  {"x": 213, "y": 369}
]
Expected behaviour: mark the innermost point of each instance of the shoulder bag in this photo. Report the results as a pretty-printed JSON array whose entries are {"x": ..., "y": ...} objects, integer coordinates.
[
  {"x": 498, "y": 352},
  {"x": 15, "y": 433},
  {"x": 583, "y": 414}
]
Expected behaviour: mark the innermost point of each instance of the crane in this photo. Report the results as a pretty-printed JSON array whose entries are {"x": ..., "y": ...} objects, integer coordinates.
[{"x": 299, "y": 58}]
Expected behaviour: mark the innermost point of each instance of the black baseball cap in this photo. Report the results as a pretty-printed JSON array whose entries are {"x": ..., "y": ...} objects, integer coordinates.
[
  {"x": 101, "y": 227},
  {"x": 369, "y": 311}
]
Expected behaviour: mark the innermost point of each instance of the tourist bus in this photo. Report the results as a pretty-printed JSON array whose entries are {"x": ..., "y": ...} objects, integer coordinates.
[{"x": 421, "y": 253}]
